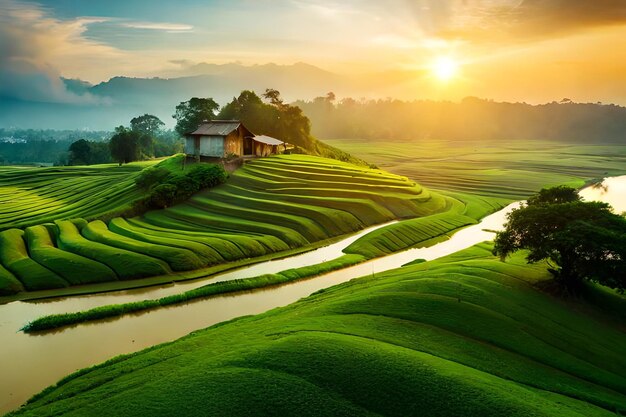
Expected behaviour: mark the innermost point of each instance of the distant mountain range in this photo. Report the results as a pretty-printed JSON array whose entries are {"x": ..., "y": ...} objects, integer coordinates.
[{"x": 116, "y": 101}]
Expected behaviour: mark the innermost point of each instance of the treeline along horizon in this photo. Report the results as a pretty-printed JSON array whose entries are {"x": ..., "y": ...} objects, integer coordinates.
[{"x": 470, "y": 119}]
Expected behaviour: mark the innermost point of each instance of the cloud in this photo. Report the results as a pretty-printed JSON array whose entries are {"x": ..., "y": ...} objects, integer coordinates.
[
  {"x": 549, "y": 16},
  {"x": 327, "y": 9},
  {"x": 166, "y": 27},
  {"x": 496, "y": 20},
  {"x": 31, "y": 43}
]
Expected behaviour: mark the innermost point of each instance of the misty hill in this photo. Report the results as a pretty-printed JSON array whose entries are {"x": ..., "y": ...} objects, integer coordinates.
[
  {"x": 116, "y": 101},
  {"x": 471, "y": 119}
]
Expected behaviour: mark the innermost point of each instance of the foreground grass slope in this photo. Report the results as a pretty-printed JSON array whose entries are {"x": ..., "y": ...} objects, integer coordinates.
[
  {"x": 464, "y": 335},
  {"x": 270, "y": 205}
]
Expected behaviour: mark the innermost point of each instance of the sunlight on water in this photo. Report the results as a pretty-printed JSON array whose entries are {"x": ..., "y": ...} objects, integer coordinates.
[{"x": 611, "y": 190}]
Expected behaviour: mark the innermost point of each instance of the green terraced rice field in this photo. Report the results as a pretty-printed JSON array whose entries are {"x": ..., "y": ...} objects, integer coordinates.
[
  {"x": 269, "y": 205},
  {"x": 465, "y": 335},
  {"x": 31, "y": 196},
  {"x": 509, "y": 169}
]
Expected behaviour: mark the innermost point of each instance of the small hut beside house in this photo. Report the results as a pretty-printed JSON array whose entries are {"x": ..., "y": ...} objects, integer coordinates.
[{"x": 219, "y": 138}]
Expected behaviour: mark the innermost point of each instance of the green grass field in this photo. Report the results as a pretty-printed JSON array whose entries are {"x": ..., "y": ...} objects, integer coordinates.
[
  {"x": 270, "y": 205},
  {"x": 509, "y": 169},
  {"x": 31, "y": 196},
  {"x": 466, "y": 335}
]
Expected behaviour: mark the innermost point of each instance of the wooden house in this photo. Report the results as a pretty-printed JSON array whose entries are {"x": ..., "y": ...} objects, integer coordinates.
[
  {"x": 263, "y": 145},
  {"x": 219, "y": 138}
]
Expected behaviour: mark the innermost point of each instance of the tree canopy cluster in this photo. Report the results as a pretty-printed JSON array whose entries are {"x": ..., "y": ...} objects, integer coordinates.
[
  {"x": 581, "y": 240},
  {"x": 88, "y": 152},
  {"x": 190, "y": 114},
  {"x": 24, "y": 146},
  {"x": 272, "y": 117},
  {"x": 145, "y": 138}
]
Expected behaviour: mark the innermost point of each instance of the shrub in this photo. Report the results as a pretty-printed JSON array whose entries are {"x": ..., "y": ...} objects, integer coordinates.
[
  {"x": 163, "y": 196},
  {"x": 230, "y": 156},
  {"x": 185, "y": 186},
  {"x": 208, "y": 175},
  {"x": 150, "y": 176}
]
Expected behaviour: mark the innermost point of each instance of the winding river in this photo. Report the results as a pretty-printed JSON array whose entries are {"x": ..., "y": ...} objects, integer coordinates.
[{"x": 29, "y": 363}]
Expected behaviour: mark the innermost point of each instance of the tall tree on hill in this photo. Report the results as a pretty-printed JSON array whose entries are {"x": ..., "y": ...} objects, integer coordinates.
[
  {"x": 292, "y": 123},
  {"x": 125, "y": 145},
  {"x": 250, "y": 109},
  {"x": 100, "y": 152},
  {"x": 147, "y": 124},
  {"x": 276, "y": 118},
  {"x": 584, "y": 240},
  {"x": 190, "y": 114},
  {"x": 80, "y": 153}
]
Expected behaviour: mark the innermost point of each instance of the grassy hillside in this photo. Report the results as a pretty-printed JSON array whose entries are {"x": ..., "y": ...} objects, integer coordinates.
[
  {"x": 464, "y": 335},
  {"x": 270, "y": 205},
  {"x": 512, "y": 169}
]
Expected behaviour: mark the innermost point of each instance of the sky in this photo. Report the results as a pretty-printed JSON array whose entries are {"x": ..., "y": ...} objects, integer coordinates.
[{"x": 508, "y": 50}]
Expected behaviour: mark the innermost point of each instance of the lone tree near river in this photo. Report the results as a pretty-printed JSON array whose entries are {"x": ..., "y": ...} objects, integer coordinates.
[{"x": 581, "y": 240}]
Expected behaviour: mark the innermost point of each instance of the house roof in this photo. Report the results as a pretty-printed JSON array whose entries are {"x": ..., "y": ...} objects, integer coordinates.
[
  {"x": 216, "y": 128},
  {"x": 268, "y": 140}
]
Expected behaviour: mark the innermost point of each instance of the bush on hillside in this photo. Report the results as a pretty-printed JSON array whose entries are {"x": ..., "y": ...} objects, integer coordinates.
[
  {"x": 208, "y": 175},
  {"x": 150, "y": 176},
  {"x": 185, "y": 186},
  {"x": 163, "y": 196},
  {"x": 167, "y": 189}
]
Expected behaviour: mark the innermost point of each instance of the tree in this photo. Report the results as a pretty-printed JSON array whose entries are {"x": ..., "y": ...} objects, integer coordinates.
[
  {"x": 80, "y": 153},
  {"x": 190, "y": 114},
  {"x": 147, "y": 124},
  {"x": 273, "y": 96},
  {"x": 100, "y": 152},
  {"x": 163, "y": 195},
  {"x": 289, "y": 122},
  {"x": 167, "y": 143},
  {"x": 554, "y": 195},
  {"x": 149, "y": 127},
  {"x": 250, "y": 109},
  {"x": 581, "y": 240},
  {"x": 125, "y": 145}
]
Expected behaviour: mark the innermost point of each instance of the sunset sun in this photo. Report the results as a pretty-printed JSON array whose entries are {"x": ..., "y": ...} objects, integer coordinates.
[{"x": 445, "y": 68}]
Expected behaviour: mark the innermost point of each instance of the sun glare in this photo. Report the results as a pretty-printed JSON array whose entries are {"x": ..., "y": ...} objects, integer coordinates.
[{"x": 445, "y": 68}]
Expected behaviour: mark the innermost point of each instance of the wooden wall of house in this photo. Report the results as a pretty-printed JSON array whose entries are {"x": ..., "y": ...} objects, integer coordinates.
[
  {"x": 233, "y": 143},
  {"x": 262, "y": 149}
]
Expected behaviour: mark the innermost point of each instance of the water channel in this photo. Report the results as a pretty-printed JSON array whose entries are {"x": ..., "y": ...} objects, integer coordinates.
[{"x": 29, "y": 363}]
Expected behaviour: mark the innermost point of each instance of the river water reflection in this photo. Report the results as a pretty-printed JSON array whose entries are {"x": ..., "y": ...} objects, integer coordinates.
[{"x": 612, "y": 190}]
